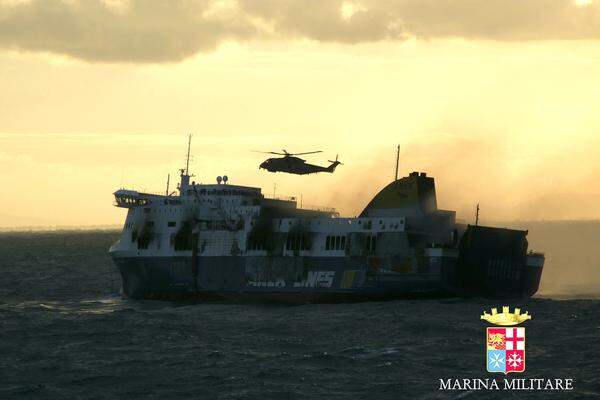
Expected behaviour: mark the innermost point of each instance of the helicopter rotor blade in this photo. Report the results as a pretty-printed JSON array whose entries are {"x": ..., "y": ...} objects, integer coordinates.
[
  {"x": 286, "y": 153},
  {"x": 268, "y": 152},
  {"x": 308, "y": 152}
]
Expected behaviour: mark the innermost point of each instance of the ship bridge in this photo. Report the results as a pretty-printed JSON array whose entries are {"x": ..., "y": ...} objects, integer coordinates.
[{"x": 130, "y": 198}]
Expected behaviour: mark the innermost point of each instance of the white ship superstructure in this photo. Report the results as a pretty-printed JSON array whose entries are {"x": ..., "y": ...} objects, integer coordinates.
[{"x": 222, "y": 240}]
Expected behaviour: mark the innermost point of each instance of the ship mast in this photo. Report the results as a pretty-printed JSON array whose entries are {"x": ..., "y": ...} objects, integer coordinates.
[
  {"x": 397, "y": 161},
  {"x": 185, "y": 174},
  {"x": 187, "y": 161}
]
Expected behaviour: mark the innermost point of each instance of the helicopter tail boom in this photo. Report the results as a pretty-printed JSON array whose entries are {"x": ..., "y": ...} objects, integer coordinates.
[{"x": 333, "y": 165}]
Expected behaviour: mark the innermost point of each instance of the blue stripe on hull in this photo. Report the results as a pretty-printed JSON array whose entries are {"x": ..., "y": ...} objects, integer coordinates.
[{"x": 281, "y": 278}]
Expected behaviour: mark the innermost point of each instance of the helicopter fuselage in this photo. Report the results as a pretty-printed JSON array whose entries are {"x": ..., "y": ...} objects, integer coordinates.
[{"x": 295, "y": 165}]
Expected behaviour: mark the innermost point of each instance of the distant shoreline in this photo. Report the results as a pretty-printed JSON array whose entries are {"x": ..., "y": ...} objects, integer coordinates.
[{"x": 65, "y": 228}]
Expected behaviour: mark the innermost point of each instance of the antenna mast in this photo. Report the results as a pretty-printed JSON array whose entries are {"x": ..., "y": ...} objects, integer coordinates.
[
  {"x": 477, "y": 216},
  {"x": 397, "y": 160},
  {"x": 187, "y": 161},
  {"x": 168, "y": 179}
]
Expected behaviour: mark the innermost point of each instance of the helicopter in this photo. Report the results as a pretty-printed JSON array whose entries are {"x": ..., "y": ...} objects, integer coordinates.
[{"x": 291, "y": 164}]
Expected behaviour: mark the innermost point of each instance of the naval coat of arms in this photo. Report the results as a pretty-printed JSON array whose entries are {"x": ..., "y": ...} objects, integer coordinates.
[{"x": 505, "y": 346}]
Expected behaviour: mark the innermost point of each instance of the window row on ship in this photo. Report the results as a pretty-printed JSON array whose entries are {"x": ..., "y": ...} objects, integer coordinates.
[
  {"x": 292, "y": 242},
  {"x": 367, "y": 225},
  {"x": 351, "y": 223}
]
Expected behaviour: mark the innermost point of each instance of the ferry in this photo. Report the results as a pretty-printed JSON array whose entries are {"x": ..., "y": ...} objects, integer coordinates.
[{"x": 223, "y": 241}]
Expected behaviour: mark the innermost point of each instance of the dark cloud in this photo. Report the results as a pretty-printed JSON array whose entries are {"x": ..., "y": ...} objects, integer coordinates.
[
  {"x": 163, "y": 31},
  {"x": 140, "y": 31}
]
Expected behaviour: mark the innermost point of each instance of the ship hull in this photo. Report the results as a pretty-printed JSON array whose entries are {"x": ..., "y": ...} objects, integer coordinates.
[{"x": 294, "y": 280}]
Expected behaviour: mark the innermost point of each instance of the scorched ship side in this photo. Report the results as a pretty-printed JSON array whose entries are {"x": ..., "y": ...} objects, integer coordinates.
[{"x": 223, "y": 241}]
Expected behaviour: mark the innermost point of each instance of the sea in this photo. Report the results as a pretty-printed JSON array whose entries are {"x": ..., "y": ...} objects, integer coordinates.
[{"x": 67, "y": 333}]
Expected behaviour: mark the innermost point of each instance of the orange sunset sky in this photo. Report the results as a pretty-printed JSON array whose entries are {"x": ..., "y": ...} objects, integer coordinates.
[{"x": 498, "y": 100}]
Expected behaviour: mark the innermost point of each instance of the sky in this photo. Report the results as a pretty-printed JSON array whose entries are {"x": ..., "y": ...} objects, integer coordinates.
[{"x": 495, "y": 99}]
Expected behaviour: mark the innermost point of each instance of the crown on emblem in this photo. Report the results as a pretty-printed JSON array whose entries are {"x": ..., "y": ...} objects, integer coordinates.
[{"x": 506, "y": 318}]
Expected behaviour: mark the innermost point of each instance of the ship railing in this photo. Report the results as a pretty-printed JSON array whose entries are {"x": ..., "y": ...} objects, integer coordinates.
[
  {"x": 151, "y": 194},
  {"x": 282, "y": 198},
  {"x": 144, "y": 192},
  {"x": 329, "y": 210}
]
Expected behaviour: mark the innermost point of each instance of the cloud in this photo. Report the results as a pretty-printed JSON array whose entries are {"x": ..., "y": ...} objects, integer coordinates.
[
  {"x": 169, "y": 31},
  {"x": 133, "y": 31}
]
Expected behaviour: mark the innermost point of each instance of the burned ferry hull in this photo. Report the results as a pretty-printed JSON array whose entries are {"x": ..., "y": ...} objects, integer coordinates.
[
  {"x": 268, "y": 278},
  {"x": 231, "y": 242},
  {"x": 325, "y": 279}
]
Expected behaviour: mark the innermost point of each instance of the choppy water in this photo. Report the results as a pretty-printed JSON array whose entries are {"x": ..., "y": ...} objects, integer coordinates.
[{"x": 65, "y": 333}]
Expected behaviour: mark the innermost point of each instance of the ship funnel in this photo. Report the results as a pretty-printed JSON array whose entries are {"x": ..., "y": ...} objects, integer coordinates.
[{"x": 412, "y": 195}]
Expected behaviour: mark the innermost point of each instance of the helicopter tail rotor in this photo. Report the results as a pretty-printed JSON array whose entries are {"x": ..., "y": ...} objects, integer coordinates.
[{"x": 336, "y": 162}]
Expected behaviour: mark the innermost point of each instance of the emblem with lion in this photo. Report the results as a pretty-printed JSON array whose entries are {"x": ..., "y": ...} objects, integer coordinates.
[{"x": 496, "y": 341}]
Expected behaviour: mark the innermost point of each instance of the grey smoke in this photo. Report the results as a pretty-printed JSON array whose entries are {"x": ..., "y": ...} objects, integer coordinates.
[{"x": 169, "y": 31}]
